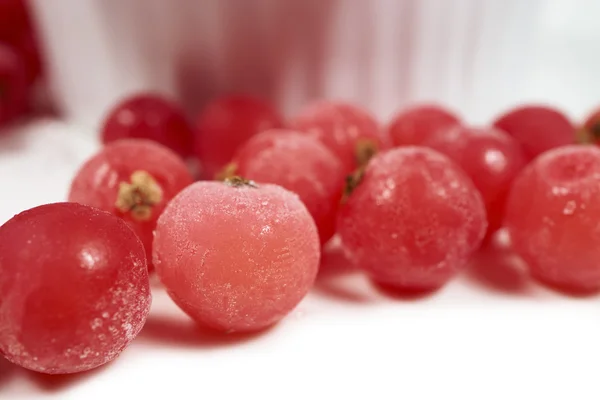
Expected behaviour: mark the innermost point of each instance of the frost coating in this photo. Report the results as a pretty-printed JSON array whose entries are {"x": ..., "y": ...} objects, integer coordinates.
[{"x": 220, "y": 264}]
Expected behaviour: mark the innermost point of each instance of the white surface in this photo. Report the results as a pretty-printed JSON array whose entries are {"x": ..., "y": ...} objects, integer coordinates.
[{"x": 490, "y": 334}]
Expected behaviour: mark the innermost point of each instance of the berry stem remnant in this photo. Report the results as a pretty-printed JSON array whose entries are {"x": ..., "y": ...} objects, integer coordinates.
[{"x": 139, "y": 196}]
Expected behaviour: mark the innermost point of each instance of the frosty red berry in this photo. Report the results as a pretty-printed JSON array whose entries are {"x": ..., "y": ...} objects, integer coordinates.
[
  {"x": 74, "y": 288},
  {"x": 552, "y": 216},
  {"x": 413, "y": 220},
  {"x": 149, "y": 116},
  {"x": 417, "y": 124},
  {"x": 133, "y": 179},
  {"x": 236, "y": 256},
  {"x": 490, "y": 157},
  {"x": 537, "y": 128},
  {"x": 346, "y": 130},
  {"x": 300, "y": 164},
  {"x": 225, "y": 124}
]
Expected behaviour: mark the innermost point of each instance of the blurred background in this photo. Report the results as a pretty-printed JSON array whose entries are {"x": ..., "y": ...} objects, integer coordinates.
[{"x": 476, "y": 56}]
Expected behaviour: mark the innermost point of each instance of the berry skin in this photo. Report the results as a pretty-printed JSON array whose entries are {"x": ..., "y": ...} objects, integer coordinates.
[
  {"x": 149, "y": 116},
  {"x": 490, "y": 157},
  {"x": 537, "y": 128},
  {"x": 552, "y": 216},
  {"x": 13, "y": 84},
  {"x": 74, "y": 289},
  {"x": 14, "y": 19},
  {"x": 414, "y": 219},
  {"x": 300, "y": 164},
  {"x": 133, "y": 179},
  {"x": 227, "y": 123},
  {"x": 343, "y": 128},
  {"x": 417, "y": 124},
  {"x": 236, "y": 256}
]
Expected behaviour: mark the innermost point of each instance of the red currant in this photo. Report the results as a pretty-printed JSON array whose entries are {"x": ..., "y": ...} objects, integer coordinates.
[
  {"x": 74, "y": 288},
  {"x": 490, "y": 157},
  {"x": 227, "y": 123},
  {"x": 149, "y": 116},
  {"x": 236, "y": 256},
  {"x": 343, "y": 128},
  {"x": 13, "y": 84},
  {"x": 14, "y": 19},
  {"x": 300, "y": 164},
  {"x": 133, "y": 179},
  {"x": 537, "y": 128},
  {"x": 413, "y": 220},
  {"x": 415, "y": 125},
  {"x": 552, "y": 216}
]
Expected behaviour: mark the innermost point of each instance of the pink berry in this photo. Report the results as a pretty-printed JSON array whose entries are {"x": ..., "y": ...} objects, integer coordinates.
[
  {"x": 74, "y": 288},
  {"x": 149, "y": 116},
  {"x": 552, "y": 216},
  {"x": 133, "y": 179},
  {"x": 227, "y": 123},
  {"x": 490, "y": 157},
  {"x": 343, "y": 128},
  {"x": 413, "y": 220},
  {"x": 417, "y": 124},
  {"x": 299, "y": 164},
  {"x": 13, "y": 84},
  {"x": 236, "y": 256},
  {"x": 537, "y": 128}
]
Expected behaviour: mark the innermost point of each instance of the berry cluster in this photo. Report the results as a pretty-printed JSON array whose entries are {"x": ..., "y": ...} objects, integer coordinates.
[
  {"x": 20, "y": 63},
  {"x": 238, "y": 250}
]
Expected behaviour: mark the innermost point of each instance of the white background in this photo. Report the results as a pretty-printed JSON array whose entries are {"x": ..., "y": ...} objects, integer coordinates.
[{"x": 490, "y": 334}]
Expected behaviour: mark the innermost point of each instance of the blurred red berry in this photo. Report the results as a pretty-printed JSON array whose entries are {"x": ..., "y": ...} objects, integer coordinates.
[
  {"x": 13, "y": 84},
  {"x": 417, "y": 124},
  {"x": 14, "y": 19}
]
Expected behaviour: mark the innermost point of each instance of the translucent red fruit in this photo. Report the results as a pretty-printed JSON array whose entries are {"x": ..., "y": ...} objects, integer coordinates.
[
  {"x": 343, "y": 128},
  {"x": 14, "y": 19},
  {"x": 552, "y": 216},
  {"x": 413, "y": 220},
  {"x": 490, "y": 157},
  {"x": 227, "y": 123},
  {"x": 236, "y": 256},
  {"x": 537, "y": 128},
  {"x": 74, "y": 288},
  {"x": 133, "y": 179},
  {"x": 149, "y": 116},
  {"x": 300, "y": 164},
  {"x": 13, "y": 84},
  {"x": 417, "y": 124}
]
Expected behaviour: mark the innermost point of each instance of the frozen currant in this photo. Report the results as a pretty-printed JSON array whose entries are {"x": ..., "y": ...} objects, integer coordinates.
[
  {"x": 149, "y": 116},
  {"x": 490, "y": 157},
  {"x": 74, "y": 288},
  {"x": 344, "y": 129},
  {"x": 300, "y": 164},
  {"x": 13, "y": 84},
  {"x": 235, "y": 255},
  {"x": 413, "y": 220},
  {"x": 417, "y": 124},
  {"x": 227, "y": 123},
  {"x": 537, "y": 128},
  {"x": 133, "y": 179},
  {"x": 552, "y": 216}
]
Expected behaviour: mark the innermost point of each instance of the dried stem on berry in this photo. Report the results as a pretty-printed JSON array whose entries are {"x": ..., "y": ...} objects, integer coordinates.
[
  {"x": 238, "y": 181},
  {"x": 227, "y": 172},
  {"x": 365, "y": 151},
  {"x": 139, "y": 196}
]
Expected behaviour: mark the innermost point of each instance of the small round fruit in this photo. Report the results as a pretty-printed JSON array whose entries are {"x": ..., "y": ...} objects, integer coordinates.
[
  {"x": 14, "y": 19},
  {"x": 552, "y": 216},
  {"x": 133, "y": 179},
  {"x": 13, "y": 84},
  {"x": 417, "y": 124},
  {"x": 149, "y": 116},
  {"x": 227, "y": 123},
  {"x": 74, "y": 288},
  {"x": 300, "y": 164},
  {"x": 537, "y": 128},
  {"x": 413, "y": 220},
  {"x": 490, "y": 157},
  {"x": 236, "y": 256},
  {"x": 343, "y": 128}
]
